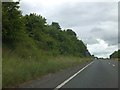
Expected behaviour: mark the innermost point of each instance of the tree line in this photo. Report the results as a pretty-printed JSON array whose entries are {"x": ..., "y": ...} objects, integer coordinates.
[{"x": 32, "y": 31}]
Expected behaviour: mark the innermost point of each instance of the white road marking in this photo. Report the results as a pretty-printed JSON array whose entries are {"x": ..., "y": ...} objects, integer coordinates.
[
  {"x": 66, "y": 81},
  {"x": 113, "y": 65}
]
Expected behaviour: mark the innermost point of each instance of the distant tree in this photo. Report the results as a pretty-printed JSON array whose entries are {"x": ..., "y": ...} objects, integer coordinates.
[
  {"x": 71, "y": 32},
  {"x": 55, "y": 24}
]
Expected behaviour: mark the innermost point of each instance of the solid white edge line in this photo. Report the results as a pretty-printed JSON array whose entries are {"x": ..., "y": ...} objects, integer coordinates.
[{"x": 66, "y": 81}]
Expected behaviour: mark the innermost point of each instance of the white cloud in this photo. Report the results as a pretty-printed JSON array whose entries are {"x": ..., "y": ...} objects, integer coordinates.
[{"x": 102, "y": 49}]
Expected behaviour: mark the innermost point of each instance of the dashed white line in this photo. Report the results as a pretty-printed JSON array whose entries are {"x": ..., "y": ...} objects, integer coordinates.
[
  {"x": 66, "y": 81},
  {"x": 113, "y": 65}
]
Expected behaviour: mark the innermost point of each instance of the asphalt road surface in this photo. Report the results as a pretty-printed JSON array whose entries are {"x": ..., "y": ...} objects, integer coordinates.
[
  {"x": 100, "y": 74},
  {"x": 96, "y": 74}
]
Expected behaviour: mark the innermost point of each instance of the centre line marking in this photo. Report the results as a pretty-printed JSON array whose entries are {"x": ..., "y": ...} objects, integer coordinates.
[
  {"x": 66, "y": 81},
  {"x": 113, "y": 65}
]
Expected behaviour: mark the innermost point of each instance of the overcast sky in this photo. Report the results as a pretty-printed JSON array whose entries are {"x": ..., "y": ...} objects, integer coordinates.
[{"x": 96, "y": 23}]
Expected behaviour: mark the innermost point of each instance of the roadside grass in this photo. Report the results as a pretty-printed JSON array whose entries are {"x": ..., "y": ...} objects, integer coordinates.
[
  {"x": 17, "y": 70},
  {"x": 117, "y": 59}
]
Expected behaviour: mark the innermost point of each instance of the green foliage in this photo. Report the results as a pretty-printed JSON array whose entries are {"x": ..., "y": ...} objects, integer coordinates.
[
  {"x": 17, "y": 70},
  {"x": 56, "y": 25},
  {"x": 34, "y": 24},
  {"x": 116, "y": 54},
  {"x": 70, "y": 32},
  {"x": 32, "y": 31},
  {"x": 12, "y": 22}
]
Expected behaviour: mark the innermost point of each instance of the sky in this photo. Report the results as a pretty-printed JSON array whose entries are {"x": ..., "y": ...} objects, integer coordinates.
[{"x": 94, "y": 21}]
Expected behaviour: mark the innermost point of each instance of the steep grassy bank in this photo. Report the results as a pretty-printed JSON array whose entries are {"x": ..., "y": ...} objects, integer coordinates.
[
  {"x": 17, "y": 70},
  {"x": 115, "y": 55},
  {"x": 117, "y": 59},
  {"x": 33, "y": 48}
]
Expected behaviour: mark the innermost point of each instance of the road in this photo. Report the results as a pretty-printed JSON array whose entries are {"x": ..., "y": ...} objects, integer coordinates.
[{"x": 99, "y": 74}]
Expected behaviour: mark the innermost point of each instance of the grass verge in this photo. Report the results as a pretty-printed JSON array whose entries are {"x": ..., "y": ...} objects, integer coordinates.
[{"x": 17, "y": 70}]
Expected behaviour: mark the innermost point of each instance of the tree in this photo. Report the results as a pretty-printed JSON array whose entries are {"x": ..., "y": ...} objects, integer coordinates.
[
  {"x": 12, "y": 21},
  {"x": 70, "y": 32},
  {"x": 33, "y": 31},
  {"x": 35, "y": 25},
  {"x": 56, "y": 25}
]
